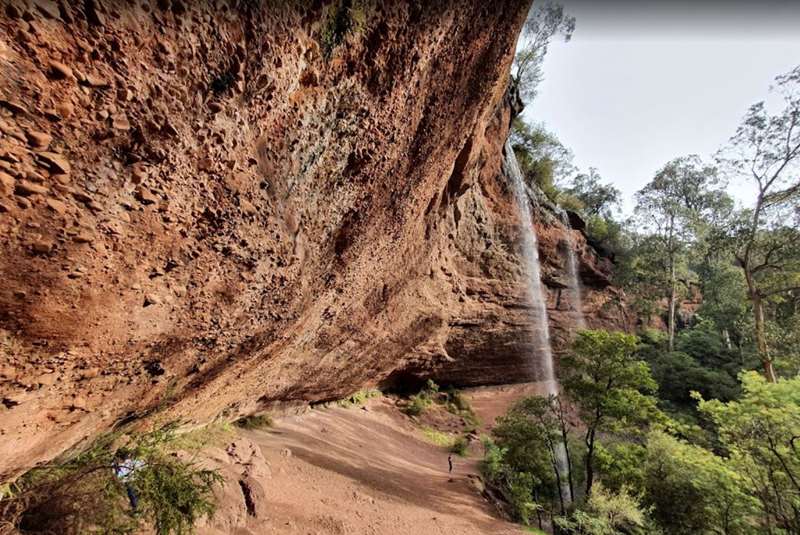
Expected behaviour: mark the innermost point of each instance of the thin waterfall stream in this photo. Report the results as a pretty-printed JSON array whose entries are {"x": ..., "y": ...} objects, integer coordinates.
[
  {"x": 576, "y": 289},
  {"x": 542, "y": 352}
]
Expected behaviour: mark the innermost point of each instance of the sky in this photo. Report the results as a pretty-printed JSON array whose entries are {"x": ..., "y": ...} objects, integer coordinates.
[{"x": 642, "y": 83}]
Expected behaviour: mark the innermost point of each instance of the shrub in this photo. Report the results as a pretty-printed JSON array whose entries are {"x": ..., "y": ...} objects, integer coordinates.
[
  {"x": 80, "y": 493},
  {"x": 691, "y": 490},
  {"x": 606, "y": 513},
  {"x": 460, "y": 446},
  {"x": 254, "y": 421},
  {"x": 417, "y": 405},
  {"x": 357, "y": 399},
  {"x": 459, "y": 405},
  {"x": 438, "y": 438},
  {"x": 421, "y": 401}
]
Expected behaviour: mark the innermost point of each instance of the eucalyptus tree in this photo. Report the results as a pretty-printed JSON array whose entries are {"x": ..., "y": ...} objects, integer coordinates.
[
  {"x": 670, "y": 209},
  {"x": 764, "y": 237},
  {"x": 545, "y": 20}
]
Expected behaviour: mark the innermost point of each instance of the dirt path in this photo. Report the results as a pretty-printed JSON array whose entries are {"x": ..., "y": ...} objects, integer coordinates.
[{"x": 357, "y": 471}]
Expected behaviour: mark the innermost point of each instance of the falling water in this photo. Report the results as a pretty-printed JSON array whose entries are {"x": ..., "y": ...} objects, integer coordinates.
[
  {"x": 576, "y": 290},
  {"x": 541, "y": 334}
]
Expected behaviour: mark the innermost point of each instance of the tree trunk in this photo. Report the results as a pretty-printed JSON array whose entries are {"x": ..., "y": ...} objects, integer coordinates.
[
  {"x": 761, "y": 334},
  {"x": 671, "y": 282},
  {"x": 589, "y": 461}
]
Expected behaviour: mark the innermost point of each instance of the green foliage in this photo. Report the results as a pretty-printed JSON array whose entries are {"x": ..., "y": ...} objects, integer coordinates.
[
  {"x": 419, "y": 402},
  {"x": 692, "y": 491},
  {"x": 610, "y": 386},
  {"x": 700, "y": 363},
  {"x": 607, "y": 382},
  {"x": 521, "y": 459},
  {"x": 597, "y": 199},
  {"x": 607, "y": 513},
  {"x": 542, "y": 158},
  {"x": 621, "y": 465},
  {"x": 760, "y": 434},
  {"x": 439, "y": 438},
  {"x": 457, "y": 404},
  {"x": 254, "y": 421},
  {"x": 80, "y": 493},
  {"x": 339, "y": 19},
  {"x": 545, "y": 20},
  {"x": 460, "y": 446},
  {"x": 357, "y": 399}
]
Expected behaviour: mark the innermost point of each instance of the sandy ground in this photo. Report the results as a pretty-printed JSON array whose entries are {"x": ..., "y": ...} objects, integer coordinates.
[{"x": 370, "y": 471}]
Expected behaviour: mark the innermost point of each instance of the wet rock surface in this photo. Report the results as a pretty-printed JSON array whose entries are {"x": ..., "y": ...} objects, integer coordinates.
[{"x": 210, "y": 207}]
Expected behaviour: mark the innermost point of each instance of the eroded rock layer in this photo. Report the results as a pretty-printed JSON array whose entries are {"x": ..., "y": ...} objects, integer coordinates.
[{"x": 206, "y": 207}]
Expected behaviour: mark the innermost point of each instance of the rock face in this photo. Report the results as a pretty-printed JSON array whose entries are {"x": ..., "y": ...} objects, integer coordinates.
[{"x": 208, "y": 207}]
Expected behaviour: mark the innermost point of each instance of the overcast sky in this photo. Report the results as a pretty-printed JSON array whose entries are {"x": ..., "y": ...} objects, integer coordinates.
[{"x": 641, "y": 83}]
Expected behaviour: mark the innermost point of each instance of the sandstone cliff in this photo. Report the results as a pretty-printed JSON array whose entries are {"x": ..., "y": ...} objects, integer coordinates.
[{"x": 208, "y": 207}]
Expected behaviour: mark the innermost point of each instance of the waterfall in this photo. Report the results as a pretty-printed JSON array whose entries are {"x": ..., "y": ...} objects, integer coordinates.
[
  {"x": 541, "y": 331},
  {"x": 576, "y": 289}
]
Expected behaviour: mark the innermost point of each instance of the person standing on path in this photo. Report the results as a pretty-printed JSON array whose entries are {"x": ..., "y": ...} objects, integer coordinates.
[{"x": 450, "y": 463}]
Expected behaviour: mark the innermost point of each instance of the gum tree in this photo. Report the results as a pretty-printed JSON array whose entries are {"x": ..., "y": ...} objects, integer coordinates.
[
  {"x": 764, "y": 238},
  {"x": 669, "y": 208}
]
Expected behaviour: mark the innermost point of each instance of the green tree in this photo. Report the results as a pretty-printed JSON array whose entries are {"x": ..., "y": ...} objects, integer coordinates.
[
  {"x": 545, "y": 20},
  {"x": 532, "y": 436},
  {"x": 765, "y": 150},
  {"x": 761, "y": 435},
  {"x": 692, "y": 491},
  {"x": 598, "y": 199},
  {"x": 607, "y": 513},
  {"x": 543, "y": 159},
  {"x": 610, "y": 387},
  {"x": 668, "y": 209}
]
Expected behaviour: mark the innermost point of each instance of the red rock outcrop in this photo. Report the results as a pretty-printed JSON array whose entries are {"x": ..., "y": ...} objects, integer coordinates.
[{"x": 207, "y": 207}]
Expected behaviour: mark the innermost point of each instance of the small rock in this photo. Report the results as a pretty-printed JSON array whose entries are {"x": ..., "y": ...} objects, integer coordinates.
[
  {"x": 120, "y": 122},
  {"x": 78, "y": 402},
  {"x": 138, "y": 173},
  {"x": 124, "y": 94},
  {"x": 65, "y": 109},
  {"x": 20, "y": 294},
  {"x": 57, "y": 206},
  {"x": 95, "y": 82},
  {"x": 33, "y": 176},
  {"x": 25, "y": 187},
  {"x": 214, "y": 106},
  {"x": 247, "y": 207},
  {"x": 48, "y": 8},
  {"x": 83, "y": 237},
  {"x": 145, "y": 196},
  {"x": 56, "y": 162},
  {"x": 40, "y": 140},
  {"x": 93, "y": 13},
  {"x": 82, "y": 196},
  {"x": 6, "y": 182},
  {"x": 90, "y": 373},
  {"x": 46, "y": 379},
  {"x": 42, "y": 246},
  {"x": 14, "y": 107},
  {"x": 59, "y": 71},
  {"x": 151, "y": 299}
]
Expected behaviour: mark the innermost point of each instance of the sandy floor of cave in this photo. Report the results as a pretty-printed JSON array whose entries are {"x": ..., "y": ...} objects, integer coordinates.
[{"x": 369, "y": 471}]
